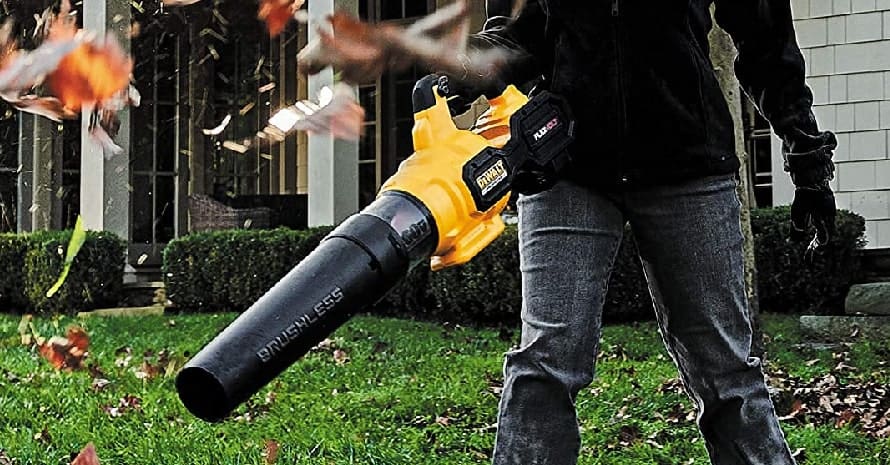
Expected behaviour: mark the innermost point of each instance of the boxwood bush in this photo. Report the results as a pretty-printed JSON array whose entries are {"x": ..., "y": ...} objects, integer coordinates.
[
  {"x": 13, "y": 248},
  {"x": 230, "y": 270},
  {"x": 95, "y": 279},
  {"x": 786, "y": 283}
]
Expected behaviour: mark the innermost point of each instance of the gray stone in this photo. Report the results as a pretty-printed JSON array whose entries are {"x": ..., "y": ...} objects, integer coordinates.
[
  {"x": 155, "y": 310},
  {"x": 868, "y": 299},
  {"x": 845, "y": 327}
]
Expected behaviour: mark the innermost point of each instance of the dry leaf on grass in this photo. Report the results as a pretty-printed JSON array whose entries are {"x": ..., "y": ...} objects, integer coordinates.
[
  {"x": 270, "y": 452},
  {"x": 87, "y": 456}
]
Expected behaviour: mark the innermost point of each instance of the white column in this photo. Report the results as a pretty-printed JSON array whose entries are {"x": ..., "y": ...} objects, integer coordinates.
[
  {"x": 333, "y": 164},
  {"x": 105, "y": 180}
]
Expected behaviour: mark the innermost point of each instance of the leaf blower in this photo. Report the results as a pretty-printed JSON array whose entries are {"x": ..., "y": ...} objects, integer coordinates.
[{"x": 442, "y": 207}]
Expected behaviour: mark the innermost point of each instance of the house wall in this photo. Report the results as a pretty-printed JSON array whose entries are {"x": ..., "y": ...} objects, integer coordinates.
[{"x": 846, "y": 44}]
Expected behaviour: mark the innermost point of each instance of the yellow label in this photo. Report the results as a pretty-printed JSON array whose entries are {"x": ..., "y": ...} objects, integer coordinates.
[{"x": 491, "y": 177}]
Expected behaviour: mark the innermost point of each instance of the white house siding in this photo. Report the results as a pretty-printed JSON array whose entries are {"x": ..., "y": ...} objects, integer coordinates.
[{"x": 846, "y": 44}]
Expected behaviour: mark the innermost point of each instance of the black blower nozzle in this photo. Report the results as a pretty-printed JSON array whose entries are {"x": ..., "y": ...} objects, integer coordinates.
[{"x": 353, "y": 268}]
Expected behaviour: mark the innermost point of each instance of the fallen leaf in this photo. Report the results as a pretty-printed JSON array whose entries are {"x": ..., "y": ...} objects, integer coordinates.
[
  {"x": 341, "y": 357},
  {"x": 125, "y": 404},
  {"x": 87, "y": 456},
  {"x": 270, "y": 452},
  {"x": 43, "y": 436},
  {"x": 5, "y": 459}
]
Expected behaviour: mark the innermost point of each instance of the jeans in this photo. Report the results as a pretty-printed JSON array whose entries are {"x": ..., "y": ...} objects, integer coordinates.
[{"x": 690, "y": 244}]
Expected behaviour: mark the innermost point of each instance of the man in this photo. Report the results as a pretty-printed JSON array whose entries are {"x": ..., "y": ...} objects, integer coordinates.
[{"x": 654, "y": 149}]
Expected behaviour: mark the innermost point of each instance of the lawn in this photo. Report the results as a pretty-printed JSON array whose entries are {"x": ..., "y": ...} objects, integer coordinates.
[{"x": 384, "y": 391}]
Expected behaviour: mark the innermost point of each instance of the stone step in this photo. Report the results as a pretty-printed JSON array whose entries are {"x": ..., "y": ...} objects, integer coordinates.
[
  {"x": 154, "y": 310},
  {"x": 835, "y": 328},
  {"x": 868, "y": 299}
]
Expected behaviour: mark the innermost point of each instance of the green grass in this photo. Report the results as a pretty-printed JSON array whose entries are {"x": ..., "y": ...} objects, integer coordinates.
[{"x": 381, "y": 407}]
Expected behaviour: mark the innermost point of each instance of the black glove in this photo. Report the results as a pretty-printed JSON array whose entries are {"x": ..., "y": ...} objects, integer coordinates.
[{"x": 808, "y": 159}]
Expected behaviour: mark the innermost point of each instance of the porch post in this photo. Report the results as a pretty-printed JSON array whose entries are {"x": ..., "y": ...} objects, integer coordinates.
[
  {"x": 333, "y": 164},
  {"x": 105, "y": 180}
]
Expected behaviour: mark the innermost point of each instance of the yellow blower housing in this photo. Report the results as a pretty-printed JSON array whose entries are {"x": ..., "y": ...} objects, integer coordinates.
[{"x": 442, "y": 207}]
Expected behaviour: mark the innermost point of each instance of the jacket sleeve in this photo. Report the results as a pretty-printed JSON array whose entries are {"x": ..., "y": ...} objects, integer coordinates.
[
  {"x": 770, "y": 65},
  {"x": 523, "y": 36}
]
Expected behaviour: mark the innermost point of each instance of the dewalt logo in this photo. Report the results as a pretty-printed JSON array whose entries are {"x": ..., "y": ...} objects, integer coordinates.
[{"x": 491, "y": 177}]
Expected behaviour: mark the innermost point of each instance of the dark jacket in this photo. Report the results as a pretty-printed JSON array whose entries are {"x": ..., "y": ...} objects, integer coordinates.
[{"x": 639, "y": 79}]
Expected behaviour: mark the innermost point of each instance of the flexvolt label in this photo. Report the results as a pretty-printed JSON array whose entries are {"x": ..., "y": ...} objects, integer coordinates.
[
  {"x": 546, "y": 129},
  {"x": 492, "y": 177}
]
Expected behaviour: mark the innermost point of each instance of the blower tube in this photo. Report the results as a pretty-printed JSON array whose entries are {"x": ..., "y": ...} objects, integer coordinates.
[{"x": 353, "y": 268}]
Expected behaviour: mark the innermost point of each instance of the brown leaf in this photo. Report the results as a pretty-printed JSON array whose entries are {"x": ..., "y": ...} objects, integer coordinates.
[
  {"x": 796, "y": 408},
  {"x": 277, "y": 13},
  {"x": 341, "y": 357},
  {"x": 87, "y": 456},
  {"x": 628, "y": 434},
  {"x": 361, "y": 51},
  {"x": 270, "y": 451},
  {"x": 78, "y": 338},
  {"x": 43, "y": 437},
  {"x": 5, "y": 459},
  {"x": 125, "y": 404},
  {"x": 845, "y": 418}
]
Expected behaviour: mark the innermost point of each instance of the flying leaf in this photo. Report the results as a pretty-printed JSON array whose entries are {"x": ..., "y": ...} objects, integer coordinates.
[
  {"x": 78, "y": 237},
  {"x": 78, "y": 68},
  {"x": 87, "y": 456},
  {"x": 67, "y": 352},
  {"x": 277, "y": 13},
  {"x": 336, "y": 112},
  {"x": 362, "y": 51}
]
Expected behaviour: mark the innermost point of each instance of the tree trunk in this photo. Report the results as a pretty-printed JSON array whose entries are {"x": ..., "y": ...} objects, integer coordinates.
[{"x": 723, "y": 54}]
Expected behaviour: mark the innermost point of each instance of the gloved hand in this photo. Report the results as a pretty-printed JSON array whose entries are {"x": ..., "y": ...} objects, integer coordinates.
[{"x": 808, "y": 159}]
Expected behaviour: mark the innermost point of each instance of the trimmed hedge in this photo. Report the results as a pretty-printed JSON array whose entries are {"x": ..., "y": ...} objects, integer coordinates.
[
  {"x": 786, "y": 283},
  {"x": 94, "y": 281},
  {"x": 13, "y": 248},
  {"x": 230, "y": 270}
]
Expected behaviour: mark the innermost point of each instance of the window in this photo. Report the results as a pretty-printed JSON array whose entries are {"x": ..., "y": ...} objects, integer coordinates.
[
  {"x": 9, "y": 162},
  {"x": 394, "y": 10},
  {"x": 154, "y": 141},
  {"x": 369, "y": 148},
  {"x": 242, "y": 85},
  {"x": 758, "y": 144}
]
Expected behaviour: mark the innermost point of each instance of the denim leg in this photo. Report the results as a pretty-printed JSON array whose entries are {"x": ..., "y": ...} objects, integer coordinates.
[
  {"x": 569, "y": 237},
  {"x": 690, "y": 242}
]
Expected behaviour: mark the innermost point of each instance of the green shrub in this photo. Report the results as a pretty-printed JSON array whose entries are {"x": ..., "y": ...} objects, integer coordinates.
[
  {"x": 229, "y": 270},
  {"x": 13, "y": 248},
  {"x": 95, "y": 278},
  {"x": 786, "y": 283},
  {"x": 485, "y": 290}
]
